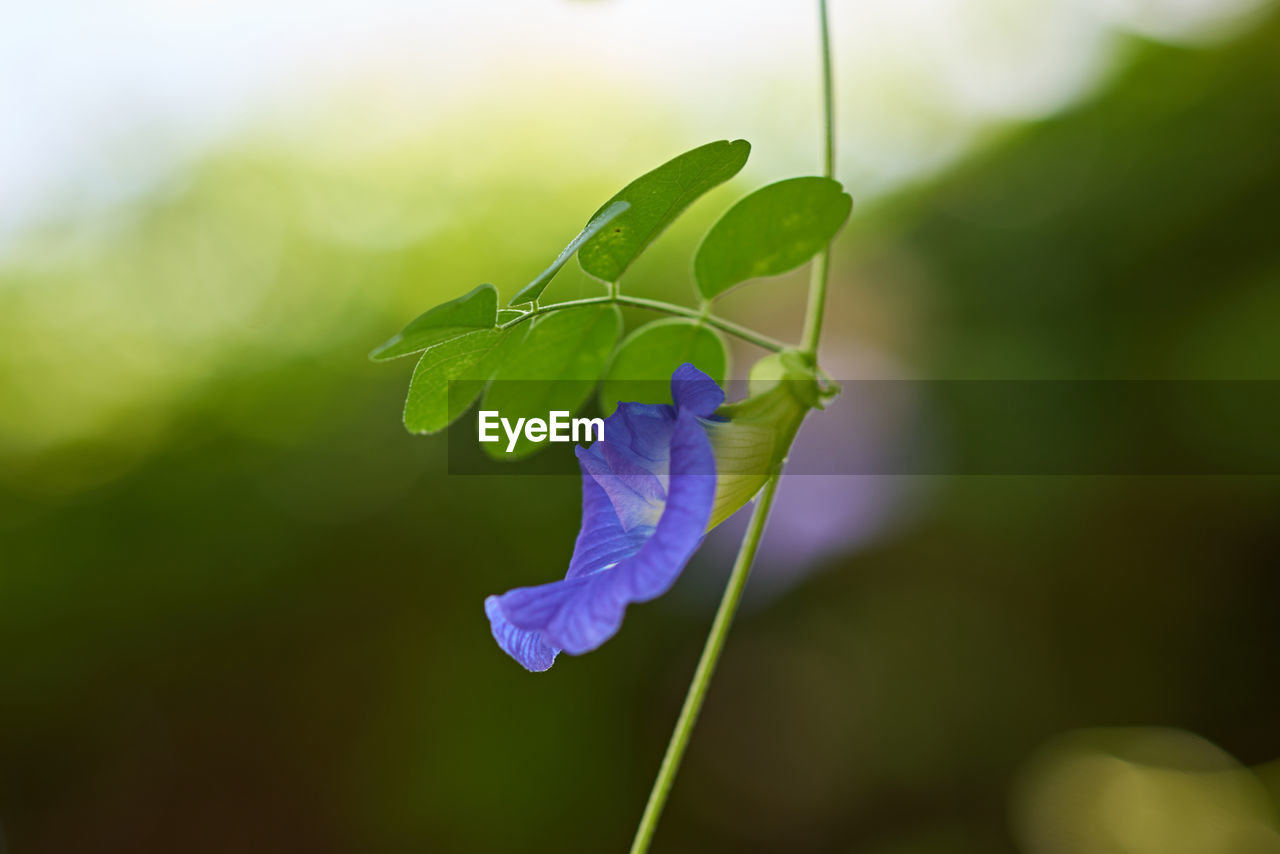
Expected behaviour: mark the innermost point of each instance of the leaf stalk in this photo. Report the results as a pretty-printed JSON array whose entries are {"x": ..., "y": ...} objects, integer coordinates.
[{"x": 727, "y": 326}]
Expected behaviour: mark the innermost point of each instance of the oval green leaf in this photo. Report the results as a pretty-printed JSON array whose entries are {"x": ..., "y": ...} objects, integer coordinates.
[
  {"x": 476, "y": 309},
  {"x": 641, "y": 369},
  {"x": 775, "y": 229},
  {"x": 656, "y": 199},
  {"x": 554, "y": 368},
  {"x": 534, "y": 289},
  {"x": 450, "y": 375}
]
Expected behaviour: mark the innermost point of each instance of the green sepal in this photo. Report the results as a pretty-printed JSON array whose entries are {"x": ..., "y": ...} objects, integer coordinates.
[{"x": 752, "y": 441}]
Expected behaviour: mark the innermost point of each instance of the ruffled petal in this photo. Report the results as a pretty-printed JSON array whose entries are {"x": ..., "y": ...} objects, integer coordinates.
[
  {"x": 576, "y": 615},
  {"x": 693, "y": 391},
  {"x": 647, "y": 494},
  {"x": 526, "y": 647},
  {"x": 652, "y": 570},
  {"x": 644, "y": 430},
  {"x": 580, "y": 613},
  {"x": 637, "y": 497},
  {"x": 602, "y": 540}
]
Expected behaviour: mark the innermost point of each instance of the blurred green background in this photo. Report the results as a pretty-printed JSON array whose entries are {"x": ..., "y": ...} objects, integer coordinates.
[{"x": 240, "y": 607}]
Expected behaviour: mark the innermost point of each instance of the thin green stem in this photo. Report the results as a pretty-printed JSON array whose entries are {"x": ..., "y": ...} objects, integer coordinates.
[
  {"x": 706, "y": 667},
  {"x": 759, "y": 516},
  {"x": 728, "y": 326},
  {"x": 817, "y": 304},
  {"x": 828, "y": 98},
  {"x": 750, "y": 335}
]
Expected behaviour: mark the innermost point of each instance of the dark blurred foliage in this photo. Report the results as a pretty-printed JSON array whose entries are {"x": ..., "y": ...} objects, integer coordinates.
[{"x": 259, "y": 628}]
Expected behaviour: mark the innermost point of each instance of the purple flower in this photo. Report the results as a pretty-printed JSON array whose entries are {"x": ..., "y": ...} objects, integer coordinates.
[{"x": 647, "y": 493}]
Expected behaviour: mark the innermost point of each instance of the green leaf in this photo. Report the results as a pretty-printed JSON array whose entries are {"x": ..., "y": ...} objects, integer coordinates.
[
  {"x": 603, "y": 217},
  {"x": 641, "y": 369},
  {"x": 505, "y": 314},
  {"x": 467, "y": 362},
  {"x": 775, "y": 229},
  {"x": 476, "y": 309},
  {"x": 656, "y": 199},
  {"x": 554, "y": 368}
]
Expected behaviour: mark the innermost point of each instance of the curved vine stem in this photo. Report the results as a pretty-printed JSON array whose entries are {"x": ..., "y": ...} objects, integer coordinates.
[
  {"x": 759, "y": 516},
  {"x": 706, "y": 667},
  {"x": 817, "y": 303}
]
